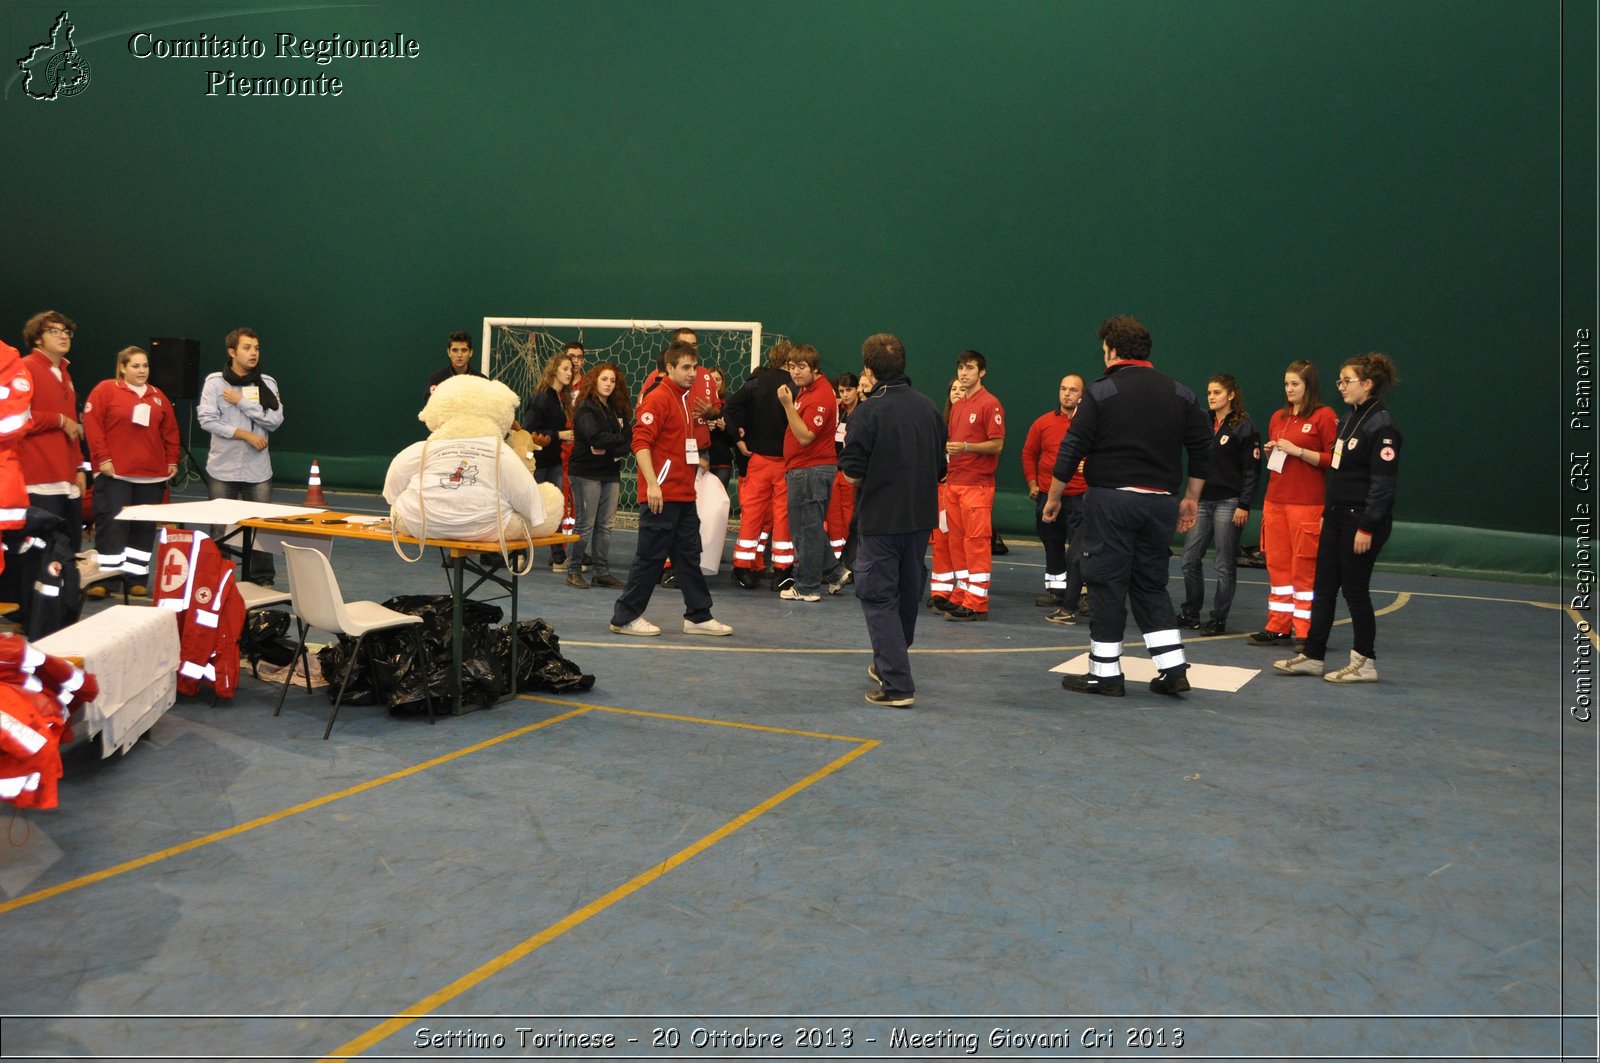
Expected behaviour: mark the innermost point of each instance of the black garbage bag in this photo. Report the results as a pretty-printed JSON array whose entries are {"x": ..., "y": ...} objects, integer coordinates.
[
  {"x": 540, "y": 665},
  {"x": 266, "y": 638},
  {"x": 390, "y": 671}
]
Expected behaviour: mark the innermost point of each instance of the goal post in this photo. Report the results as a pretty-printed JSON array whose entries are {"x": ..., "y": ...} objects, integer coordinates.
[{"x": 516, "y": 349}]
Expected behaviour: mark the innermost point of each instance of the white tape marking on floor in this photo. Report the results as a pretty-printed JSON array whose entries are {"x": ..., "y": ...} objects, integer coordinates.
[{"x": 1201, "y": 676}]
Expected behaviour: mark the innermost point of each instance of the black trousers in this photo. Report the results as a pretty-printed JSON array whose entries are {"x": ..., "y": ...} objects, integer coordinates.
[
  {"x": 674, "y": 533},
  {"x": 1126, "y": 546},
  {"x": 70, "y": 510},
  {"x": 124, "y": 545},
  {"x": 1340, "y": 570},
  {"x": 1063, "y": 575}
]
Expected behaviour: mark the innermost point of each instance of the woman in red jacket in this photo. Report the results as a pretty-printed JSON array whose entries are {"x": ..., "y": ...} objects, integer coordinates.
[{"x": 133, "y": 447}]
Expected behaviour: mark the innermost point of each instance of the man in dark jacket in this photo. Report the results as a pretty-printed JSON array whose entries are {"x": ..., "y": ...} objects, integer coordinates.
[
  {"x": 894, "y": 454},
  {"x": 754, "y": 415},
  {"x": 1132, "y": 429}
]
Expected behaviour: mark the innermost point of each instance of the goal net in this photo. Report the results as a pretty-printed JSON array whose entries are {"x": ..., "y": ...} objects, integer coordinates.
[{"x": 516, "y": 349}]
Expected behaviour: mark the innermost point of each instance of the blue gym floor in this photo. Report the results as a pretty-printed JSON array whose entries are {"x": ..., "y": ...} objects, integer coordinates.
[{"x": 723, "y": 843}]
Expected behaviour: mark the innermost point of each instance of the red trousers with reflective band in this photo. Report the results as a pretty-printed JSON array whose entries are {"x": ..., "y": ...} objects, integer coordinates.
[
  {"x": 961, "y": 560},
  {"x": 1289, "y": 538},
  {"x": 763, "y": 510}
]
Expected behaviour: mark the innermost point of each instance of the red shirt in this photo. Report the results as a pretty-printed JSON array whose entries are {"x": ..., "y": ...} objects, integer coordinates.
[
  {"x": 977, "y": 418},
  {"x": 1040, "y": 450},
  {"x": 133, "y": 449},
  {"x": 818, "y": 407},
  {"x": 1299, "y": 484},
  {"x": 664, "y": 424}
]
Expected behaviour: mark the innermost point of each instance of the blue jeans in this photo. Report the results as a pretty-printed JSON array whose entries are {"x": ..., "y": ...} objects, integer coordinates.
[
  {"x": 594, "y": 505},
  {"x": 1215, "y": 521},
  {"x": 260, "y": 566},
  {"x": 809, "y": 492}
]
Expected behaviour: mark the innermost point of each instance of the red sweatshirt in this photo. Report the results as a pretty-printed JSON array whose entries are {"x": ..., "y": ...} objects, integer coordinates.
[
  {"x": 115, "y": 436},
  {"x": 48, "y": 456},
  {"x": 1040, "y": 450},
  {"x": 663, "y": 425}
]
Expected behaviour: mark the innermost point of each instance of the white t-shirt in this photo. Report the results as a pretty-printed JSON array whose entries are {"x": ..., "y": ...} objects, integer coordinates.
[{"x": 468, "y": 487}]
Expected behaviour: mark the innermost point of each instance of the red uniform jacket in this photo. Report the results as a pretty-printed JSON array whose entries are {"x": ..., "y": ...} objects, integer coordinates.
[
  {"x": 16, "y": 399},
  {"x": 194, "y": 581},
  {"x": 114, "y": 436},
  {"x": 664, "y": 424},
  {"x": 48, "y": 456},
  {"x": 37, "y": 694}
]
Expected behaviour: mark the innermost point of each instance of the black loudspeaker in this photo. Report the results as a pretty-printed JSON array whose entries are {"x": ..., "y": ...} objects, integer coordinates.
[{"x": 175, "y": 367}]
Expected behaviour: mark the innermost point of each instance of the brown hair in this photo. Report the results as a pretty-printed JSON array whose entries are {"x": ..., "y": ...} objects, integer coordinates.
[
  {"x": 1376, "y": 368},
  {"x": 1236, "y": 411},
  {"x": 618, "y": 403},
  {"x": 1307, "y": 372},
  {"x": 34, "y": 329}
]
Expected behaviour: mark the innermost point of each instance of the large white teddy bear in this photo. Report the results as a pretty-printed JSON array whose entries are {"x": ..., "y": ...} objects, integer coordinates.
[{"x": 463, "y": 481}]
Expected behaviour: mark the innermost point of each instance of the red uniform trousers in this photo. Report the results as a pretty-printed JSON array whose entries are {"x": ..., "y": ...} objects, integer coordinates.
[
  {"x": 841, "y": 507},
  {"x": 763, "y": 504},
  {"x": 1289, "y": 537},
  {"x": 967, "y": 564}
]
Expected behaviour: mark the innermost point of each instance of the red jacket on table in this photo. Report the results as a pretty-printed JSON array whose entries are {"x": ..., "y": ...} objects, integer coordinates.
[
  {"x": 1302, "y": 484},
  {"x": 37, "y": 695},
  {"x": 1039, "y": 452},
  {"x": 48, "y": 456},
  {"x": 818, "y": 407},
  {"x": 663, "y": 425},
  {"x": 195, "y": 582},
  {"x": 975, "y": 419},
  {"x": 131, "y": 448},
  {"x": 16, "y": 400}
]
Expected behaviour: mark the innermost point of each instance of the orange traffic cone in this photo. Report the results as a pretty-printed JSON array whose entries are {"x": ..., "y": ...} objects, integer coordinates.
[{"x": 314, "y": 486}]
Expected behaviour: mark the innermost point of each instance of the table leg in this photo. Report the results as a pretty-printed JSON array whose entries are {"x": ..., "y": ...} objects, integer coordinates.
[
  {"x": 457, "y": 622},
  {"x": 515, "y": 640}
]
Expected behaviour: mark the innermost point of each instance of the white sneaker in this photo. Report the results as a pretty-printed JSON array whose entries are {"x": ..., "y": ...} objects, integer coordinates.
[
  {"x": 846, "y": 577},
  {"x": 637, "y": 626},
  {"x": 1299, "y": 664},
  {"x": 1359, "y": 670},
  {"x": 706, "y": 627},
  {"x": 789, "y": 594}
]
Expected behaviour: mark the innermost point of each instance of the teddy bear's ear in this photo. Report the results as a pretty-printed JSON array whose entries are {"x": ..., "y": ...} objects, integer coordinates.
[{"x": 466, "y": 394}]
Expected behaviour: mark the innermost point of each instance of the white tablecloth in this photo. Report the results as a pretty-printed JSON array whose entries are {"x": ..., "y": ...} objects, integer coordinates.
[{"x": 133, "y": 652}]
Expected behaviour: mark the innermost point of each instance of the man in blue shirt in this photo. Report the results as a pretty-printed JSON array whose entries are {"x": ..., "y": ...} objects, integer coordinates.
[{"x": 240, "y": 407}]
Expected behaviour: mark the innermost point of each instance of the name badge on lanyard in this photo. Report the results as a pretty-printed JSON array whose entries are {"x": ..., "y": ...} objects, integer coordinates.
[
  {"x": 1338, "y": 452},
  {"x": 141, "y": 414},
  {"x": 691, "y": 450}
]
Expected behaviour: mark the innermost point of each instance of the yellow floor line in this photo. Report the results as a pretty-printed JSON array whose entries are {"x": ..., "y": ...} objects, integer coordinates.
[
  {"x": 263, "y": 821},
  {"x": 701, "y": 720},
  {"x": 477, "y": 976},
  {"x": 1584, "y": 625}
]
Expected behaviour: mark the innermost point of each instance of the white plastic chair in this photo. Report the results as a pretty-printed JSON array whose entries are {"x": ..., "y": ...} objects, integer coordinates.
[{"x": 317, "y": 603}]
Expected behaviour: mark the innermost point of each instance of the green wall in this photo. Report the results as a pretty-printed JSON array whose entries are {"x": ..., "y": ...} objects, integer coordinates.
[{"x": 1259, "y": 181}]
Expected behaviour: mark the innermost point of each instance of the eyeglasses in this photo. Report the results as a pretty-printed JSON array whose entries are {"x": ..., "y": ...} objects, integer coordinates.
[
  {"x": 1348, "y": 380},
  {"x": 60, "y": 329}
]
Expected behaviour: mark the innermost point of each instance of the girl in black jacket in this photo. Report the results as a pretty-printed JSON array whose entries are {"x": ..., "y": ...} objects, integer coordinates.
[
  {"x": 601, "y": 439},
  {"x": 1225, "y": 503}
]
